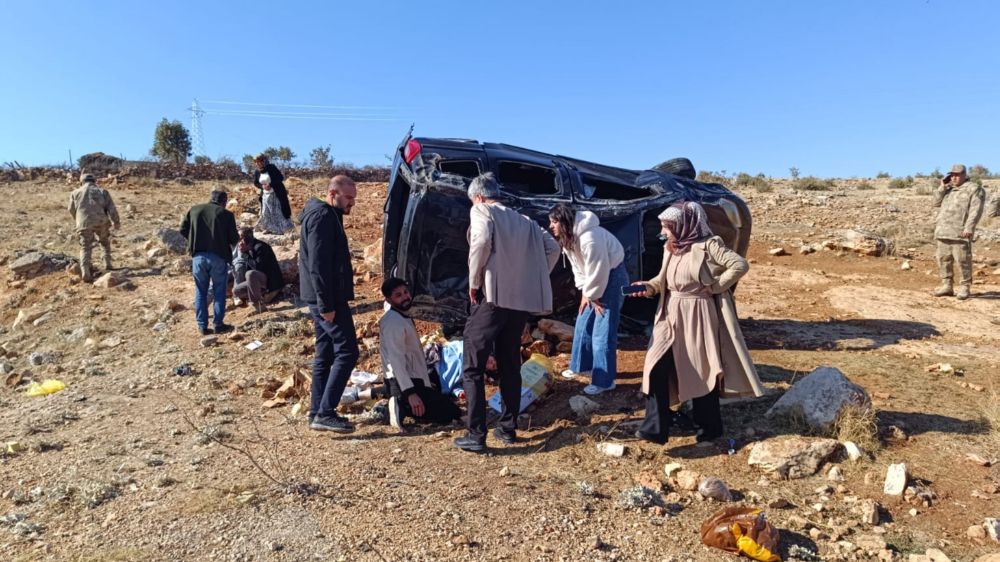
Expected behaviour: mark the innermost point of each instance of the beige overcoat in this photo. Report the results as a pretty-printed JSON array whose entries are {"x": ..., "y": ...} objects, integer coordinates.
[{"x": 720, "y": 269}]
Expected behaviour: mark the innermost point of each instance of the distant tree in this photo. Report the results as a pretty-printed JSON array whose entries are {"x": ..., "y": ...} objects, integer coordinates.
[
  {"x": 227, "y": 161},
  {"x": 794, "y": 172},
  {"x": 883, "y": 175},
  {"x": 319, "y": 158},
  {"x": 248, "y": 163},
  {"x": 284, "y": 154},
  {"x": 171, "y": 142},
  {"x": 936, "y": 174},
  {"x": 979, "y": 171},
  {"x": 202, "y": 160}
]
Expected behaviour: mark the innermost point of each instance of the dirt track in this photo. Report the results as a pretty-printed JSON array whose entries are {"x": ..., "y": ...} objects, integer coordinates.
[{"x": 116, "y": 467}]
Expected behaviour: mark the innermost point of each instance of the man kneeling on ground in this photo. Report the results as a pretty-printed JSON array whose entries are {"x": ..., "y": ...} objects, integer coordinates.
[
  {"x": 256, "y": 273},
  {"x": 404, "y": 364}
]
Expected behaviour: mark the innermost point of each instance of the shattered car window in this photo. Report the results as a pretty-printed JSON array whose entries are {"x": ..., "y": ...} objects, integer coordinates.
[{"x": 527, "y": 179}]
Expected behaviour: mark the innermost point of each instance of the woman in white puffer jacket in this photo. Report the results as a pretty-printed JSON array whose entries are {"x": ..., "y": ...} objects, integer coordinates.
[{"x": 598, "y": 262}]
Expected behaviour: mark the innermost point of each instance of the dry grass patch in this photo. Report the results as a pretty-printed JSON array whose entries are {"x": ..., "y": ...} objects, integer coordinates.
[{"x": 860, "y": 425}]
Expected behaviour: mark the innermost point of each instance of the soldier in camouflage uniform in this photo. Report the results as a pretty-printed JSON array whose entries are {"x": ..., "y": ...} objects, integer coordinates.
[
  {"x": 961, "y": 203},
  {"x": 95, "y": 214}
]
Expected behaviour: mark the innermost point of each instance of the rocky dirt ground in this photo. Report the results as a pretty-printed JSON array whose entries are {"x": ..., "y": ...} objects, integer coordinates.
[{"x": 132, "y": 462}]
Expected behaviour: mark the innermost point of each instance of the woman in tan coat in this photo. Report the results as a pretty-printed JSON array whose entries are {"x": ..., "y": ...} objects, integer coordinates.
[{"x": 697, "y": 351}]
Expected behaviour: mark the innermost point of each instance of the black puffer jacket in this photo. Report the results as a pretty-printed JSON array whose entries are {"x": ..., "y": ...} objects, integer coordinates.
[
  {"x": 277, "y": 184},
  {"x": 326, "y": 277}
]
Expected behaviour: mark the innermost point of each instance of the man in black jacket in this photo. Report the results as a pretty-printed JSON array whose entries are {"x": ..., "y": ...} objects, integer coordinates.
[
  {"x": 326, "y": 284},
  {"x": 264, "y": 166},
  {"x": 256, "y": 274},
  {"x": 211, "y": 234}
]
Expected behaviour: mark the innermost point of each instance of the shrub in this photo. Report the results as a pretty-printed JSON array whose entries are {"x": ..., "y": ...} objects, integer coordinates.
[
  {"x": 882, "y": 175},
  {"x": 901, "y": 183},
  {"x": 979, "y": 171},
  {"x": 794, "y": 172},
  {"x": 812, "y": 183},
  {"x": 758, "y": 182},
  {"x": 865, "y": 185},
  {"x": 707, "y": 176}
]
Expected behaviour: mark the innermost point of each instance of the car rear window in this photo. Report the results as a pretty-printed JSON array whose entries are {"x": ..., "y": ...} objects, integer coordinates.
[
  {"x": 527, "y": 179},
  {"x": 465, "y": 168}
]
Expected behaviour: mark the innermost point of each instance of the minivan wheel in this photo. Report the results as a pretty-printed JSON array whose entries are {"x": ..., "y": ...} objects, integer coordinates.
[{"x": 679, "y": 167}]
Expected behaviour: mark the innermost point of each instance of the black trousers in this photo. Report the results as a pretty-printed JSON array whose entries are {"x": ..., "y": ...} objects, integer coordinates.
[
  {"x": 705, "y": 409},
  {"x": 498, "y": 330},
  {"x": 438, "y": 408},
  {"x": 336, "y": 355}
]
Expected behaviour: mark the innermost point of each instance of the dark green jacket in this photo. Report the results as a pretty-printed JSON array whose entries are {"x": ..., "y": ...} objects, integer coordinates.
[{"x": 210, "y": 228}]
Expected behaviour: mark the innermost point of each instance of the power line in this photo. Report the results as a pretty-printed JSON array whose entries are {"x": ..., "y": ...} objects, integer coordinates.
[
  {"x": 304, "y": 113},
  {"x": 301, "y": 105},
  {"x": 316, "y": 118}
]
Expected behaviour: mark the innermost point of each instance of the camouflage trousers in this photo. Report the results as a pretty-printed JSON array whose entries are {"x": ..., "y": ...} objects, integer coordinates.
[
  {"x": 88, "y": 236},
  {"x": 951, "y": 251}
]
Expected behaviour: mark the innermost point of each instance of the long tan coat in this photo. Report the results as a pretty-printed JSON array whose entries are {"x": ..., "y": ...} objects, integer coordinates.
[{"x": 720, "y": 269}]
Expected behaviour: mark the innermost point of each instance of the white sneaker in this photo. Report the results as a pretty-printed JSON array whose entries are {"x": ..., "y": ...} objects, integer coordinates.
[
  {"x": 395, "y": 415},
  {"x": 595, "y": 390}
]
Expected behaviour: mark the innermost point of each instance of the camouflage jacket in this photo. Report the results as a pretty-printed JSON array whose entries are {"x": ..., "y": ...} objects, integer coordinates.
[
  {"x": 92, "y": 206},
  {"x": 961, "y": 208}
]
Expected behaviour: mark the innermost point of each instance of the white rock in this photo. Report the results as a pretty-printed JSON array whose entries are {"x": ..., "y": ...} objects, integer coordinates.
[
  {"x": 835, "y": 474},
  {"x": 672, "y": 468},
  {"x": 582, "y": 406},
  {"x": 777, "y": 252},
  {"x": 29, "y": 315},
  {"x": 611, "y": 449},
  {"x": 155, "y": 252},
  {"x": 936, "y": 555},
  {"x": 792, "y": 457},
  {"x": 895, "y": 480},
  {"x": 906, "y": 266},
  {"x": 852, "y": 450},
  {"x": 819, "y": 398},
  {"x": 110, "y": 279}
]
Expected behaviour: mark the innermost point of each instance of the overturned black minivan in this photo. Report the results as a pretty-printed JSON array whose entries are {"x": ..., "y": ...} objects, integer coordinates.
[{"x": 427, "y": 214}]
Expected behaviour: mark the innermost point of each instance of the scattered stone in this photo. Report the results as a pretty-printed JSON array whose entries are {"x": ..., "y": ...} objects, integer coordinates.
[
  {"x": 976, "y": 532},
  {"x": 111, "y": 279},
  {"x": 671, "y": 468},
  {"x": 914, "y": 512},
  {"x": 835, "y": 474},
  {"x": 172, "y": 240},
  {"x": 505, "y": 471},
  {"x": 688, "y": 480},
  {"x": 36, "y": 264},
  {"x": 155, "y": 253},
  {"x": 819, "y": 398},
  {"x": 995, "y": 557},
  {"x": 209, "y": 341},
  {"x": 935, "y": 555},
  {"x": 792, "y": 457},
  {"x": 807, "y": 249},
  {"x": 870, "y": 543},
  {"x": 780, "y": 504},
  {"x": 906, "y": 266},
  {"x": 974, "y": 458},
  {"x": 863, "y": 242},
  {"x": 611, "y": 449},
  {"x": 27, "y": 316},
  {"x": 588, "y": 490},
  {"x": 38, "y": 358},
  {"x": 871, "y": 512},
  {"x": 895, "y": 480},
  {"x": 852, "y": 450},
  {"x": 111, "y": 341},
  {"x": 777, "y": 252},
  {"x": 583, "y": 407},
  {"x": 649, "y": 479}
]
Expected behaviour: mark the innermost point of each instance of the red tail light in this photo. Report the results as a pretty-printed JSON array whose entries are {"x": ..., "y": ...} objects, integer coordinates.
[{"x": 411, "y": 150}]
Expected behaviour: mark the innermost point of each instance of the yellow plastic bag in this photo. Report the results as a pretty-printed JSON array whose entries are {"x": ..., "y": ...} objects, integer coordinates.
[
  {"x": 46, "y": 387},
  {"x": 742, "y": 530}
]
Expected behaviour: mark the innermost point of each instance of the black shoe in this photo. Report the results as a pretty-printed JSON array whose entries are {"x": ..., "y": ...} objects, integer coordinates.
[
  {"x": 224, "y": 328},
  {"x": 704, "y": 437},
  {"x": 640, "y": 434},
  {"x": 206, "y": 331},
  {"x": 469, "y": 443},
  {"x": 506, "y": 437},
  {"x": 328, "y": 423}
]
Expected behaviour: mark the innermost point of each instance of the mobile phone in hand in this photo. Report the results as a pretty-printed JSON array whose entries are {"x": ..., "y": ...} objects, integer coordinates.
[{"x": 633, "y": 289}]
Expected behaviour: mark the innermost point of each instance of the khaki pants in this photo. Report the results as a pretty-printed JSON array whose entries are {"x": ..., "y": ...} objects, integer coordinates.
[
  {"x": 88, "y": 236},
  {"x": 951, "y": 251}
]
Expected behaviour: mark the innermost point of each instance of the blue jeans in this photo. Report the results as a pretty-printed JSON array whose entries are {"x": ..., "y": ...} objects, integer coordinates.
[
  {"x": 595, "y": 337},
  {"x": 336, "y": 356},
  {"x": 207, "y": 267}
]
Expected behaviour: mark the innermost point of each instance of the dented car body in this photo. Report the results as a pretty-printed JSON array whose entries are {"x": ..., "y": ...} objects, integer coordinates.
[{"x": 427, "y": 215}]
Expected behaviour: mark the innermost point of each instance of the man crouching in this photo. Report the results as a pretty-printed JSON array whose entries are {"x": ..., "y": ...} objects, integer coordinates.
[{"x": 405, "y": 366}]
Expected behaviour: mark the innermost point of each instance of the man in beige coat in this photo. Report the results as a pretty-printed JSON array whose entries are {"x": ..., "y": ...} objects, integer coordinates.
[
  {"x": 95, "y": 213},
  {"x": 510, "y": 258},
  {"x": 961, "y": 206}
]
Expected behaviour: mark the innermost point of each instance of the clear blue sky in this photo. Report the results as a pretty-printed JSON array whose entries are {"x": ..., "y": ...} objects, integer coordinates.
[{"x": 835, "y": 88}]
